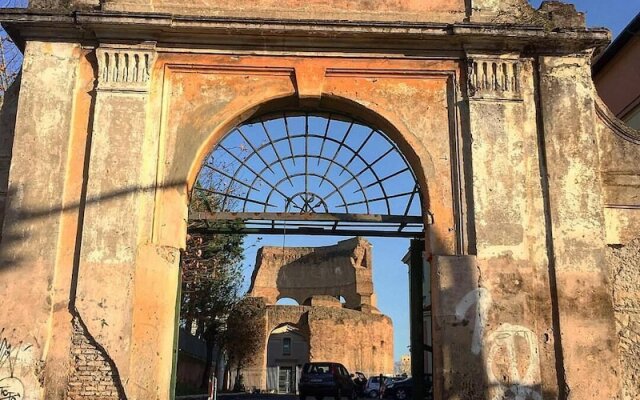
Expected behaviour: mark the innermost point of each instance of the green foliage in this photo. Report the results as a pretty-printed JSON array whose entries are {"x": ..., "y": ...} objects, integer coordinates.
[
  {"x": 245, "y": 331},
  {"x": 211, "y": 275}
]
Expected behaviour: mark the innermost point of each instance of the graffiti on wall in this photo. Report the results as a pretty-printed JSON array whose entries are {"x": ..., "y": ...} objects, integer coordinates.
[
  {"x": 11, "y": 387},
  {"x": 482, "y": 298},
  {"x": 511, "y": 355}
]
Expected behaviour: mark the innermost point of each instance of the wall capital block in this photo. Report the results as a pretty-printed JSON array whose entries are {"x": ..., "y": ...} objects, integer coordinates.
[
  {"x": 495, "y": 77},
  {"x": 125, "y": 67}
]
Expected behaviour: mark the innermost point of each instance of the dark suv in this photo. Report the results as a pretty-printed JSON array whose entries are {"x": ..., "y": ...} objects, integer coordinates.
[{"x": 320, "y": 379}]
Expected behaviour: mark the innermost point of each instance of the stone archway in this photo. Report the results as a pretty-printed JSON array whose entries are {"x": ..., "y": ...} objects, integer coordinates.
[
  {"x": 418, "y": 152},
  {"x": 491, "y": 102}
]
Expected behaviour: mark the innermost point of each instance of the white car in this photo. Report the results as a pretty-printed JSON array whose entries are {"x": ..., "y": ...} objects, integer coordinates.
[{"x": 372, "y": 388}]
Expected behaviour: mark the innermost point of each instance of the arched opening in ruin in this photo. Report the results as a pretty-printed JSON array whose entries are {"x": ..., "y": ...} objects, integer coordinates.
[
  {"x": 287, "y": 301},
  {"x": 322, "y": 178},
  {"x": 287, "y": 351}
]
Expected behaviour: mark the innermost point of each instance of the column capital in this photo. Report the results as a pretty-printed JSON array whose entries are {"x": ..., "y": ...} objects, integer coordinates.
[{"x": 125, "y": 67}]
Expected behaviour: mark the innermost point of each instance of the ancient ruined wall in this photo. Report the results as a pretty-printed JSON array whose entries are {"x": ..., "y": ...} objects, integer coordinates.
[
  {"x": 361, "y": 341},
  {"x": 344, "y": 270}
]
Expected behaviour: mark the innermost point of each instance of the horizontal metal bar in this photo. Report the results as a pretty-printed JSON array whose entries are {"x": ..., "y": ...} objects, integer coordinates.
[
  {"x": 342, "y": 217},
  {"x": 307, "y": 232}
]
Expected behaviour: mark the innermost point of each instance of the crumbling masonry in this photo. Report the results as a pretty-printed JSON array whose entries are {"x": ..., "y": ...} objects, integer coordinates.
[{"x": 355, "y": 333}]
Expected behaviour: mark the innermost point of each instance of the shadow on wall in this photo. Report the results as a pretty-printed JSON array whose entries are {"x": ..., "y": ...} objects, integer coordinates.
[{"x": 8, "y": 113}]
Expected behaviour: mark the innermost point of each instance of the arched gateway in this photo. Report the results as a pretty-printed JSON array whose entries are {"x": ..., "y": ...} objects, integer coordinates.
[{"x": 520, "y": 170}]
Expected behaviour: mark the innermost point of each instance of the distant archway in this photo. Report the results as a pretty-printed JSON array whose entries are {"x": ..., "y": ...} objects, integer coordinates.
[
  {"x": 287, "y": 352},
  {"x": 287, "y": 301}
]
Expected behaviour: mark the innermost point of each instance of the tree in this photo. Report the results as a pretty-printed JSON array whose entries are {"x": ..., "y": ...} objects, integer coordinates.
[
  {"x": 245, "y": 334},
  {"x": 10, "y": 56},
  {"x": 211, "y": 271}
]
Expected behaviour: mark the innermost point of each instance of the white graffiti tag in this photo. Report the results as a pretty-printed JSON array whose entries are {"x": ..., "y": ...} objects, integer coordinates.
[
  {"x": 482, "y": 298},
  {"x": 512, "y": 347},
  {"x": 11, "y": 388}
]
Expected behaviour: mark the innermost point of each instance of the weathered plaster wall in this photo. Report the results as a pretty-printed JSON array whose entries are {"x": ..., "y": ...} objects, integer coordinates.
[
  {"x": 344, "y": 269},
  {"x": 619, "y": 147},
  {"x": 578, "y": 240},
  {"x": 31, "y": 251},
  {"x": 390, "y": 10}
]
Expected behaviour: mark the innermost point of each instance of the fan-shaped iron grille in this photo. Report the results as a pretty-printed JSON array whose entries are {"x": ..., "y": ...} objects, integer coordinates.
[{"x": 310, "y": 172}]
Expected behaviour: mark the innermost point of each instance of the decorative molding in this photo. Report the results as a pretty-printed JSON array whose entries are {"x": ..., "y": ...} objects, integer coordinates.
[
  {"x": 125, "y": 68},
  {"x": 618, "y": 126},
  {"x": 494, "y": 77}
]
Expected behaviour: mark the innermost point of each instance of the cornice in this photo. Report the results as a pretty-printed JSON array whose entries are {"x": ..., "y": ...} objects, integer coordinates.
[{"x": 319, "y": 35}]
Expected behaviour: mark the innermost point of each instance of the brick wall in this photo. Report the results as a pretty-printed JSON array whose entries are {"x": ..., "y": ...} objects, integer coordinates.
[
  {"x": 624, "y": 263},
  {"x": 94, "y": 375}
]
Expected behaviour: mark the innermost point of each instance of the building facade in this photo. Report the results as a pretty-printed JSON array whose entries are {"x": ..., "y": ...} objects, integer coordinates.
[{"x": 529, "y": 184}]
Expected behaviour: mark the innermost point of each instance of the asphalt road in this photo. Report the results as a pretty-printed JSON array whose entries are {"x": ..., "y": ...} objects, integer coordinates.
[
  {"x": 243, "y": 396},
  {"x": 247, "y": 396}
]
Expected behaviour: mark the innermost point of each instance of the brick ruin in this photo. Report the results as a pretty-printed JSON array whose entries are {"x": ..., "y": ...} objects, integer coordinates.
[{"x": 355, "y": 333}]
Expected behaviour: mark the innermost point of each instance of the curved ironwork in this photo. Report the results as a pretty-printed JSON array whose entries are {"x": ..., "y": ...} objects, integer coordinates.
[{"x": 310, "y": 164}]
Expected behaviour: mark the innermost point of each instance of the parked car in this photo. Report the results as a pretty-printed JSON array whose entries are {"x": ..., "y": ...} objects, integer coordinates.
[
  {"x": 374, "y": 387},
  {"x": 401, "y": 390},
  {"x": 326, "y": 379},
  {"x": 360, "y": 381}
]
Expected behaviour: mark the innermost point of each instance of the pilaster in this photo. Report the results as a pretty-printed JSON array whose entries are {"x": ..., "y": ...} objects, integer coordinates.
[
  {"x": 577, "y": 228},
  {"x": 119, "y": 214}
]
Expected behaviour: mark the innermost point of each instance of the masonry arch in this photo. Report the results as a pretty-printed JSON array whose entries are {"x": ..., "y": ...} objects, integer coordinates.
[
  {"x": 307, "y": 172},
  {"x": 287, "y": 351},
  {"x": 199, "y": 129},
  {"x": 415, "y": 152}
]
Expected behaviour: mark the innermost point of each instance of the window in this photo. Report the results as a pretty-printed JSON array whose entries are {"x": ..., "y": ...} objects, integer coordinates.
[{"x": 286, "y": 346}]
